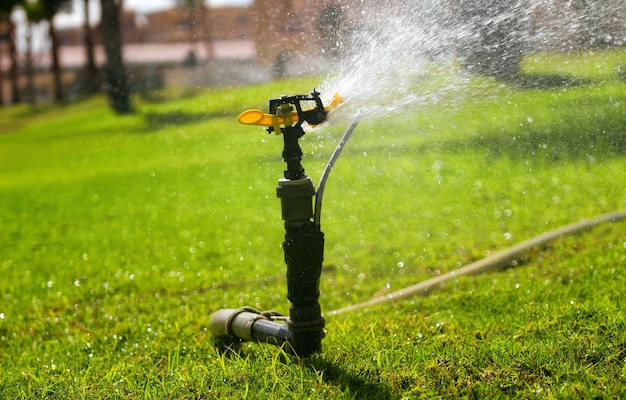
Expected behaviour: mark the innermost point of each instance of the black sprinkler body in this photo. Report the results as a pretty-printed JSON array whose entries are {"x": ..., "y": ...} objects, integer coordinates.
[
  {"x": 303, "y": 246},
  {"x": 314, "y": 115}
]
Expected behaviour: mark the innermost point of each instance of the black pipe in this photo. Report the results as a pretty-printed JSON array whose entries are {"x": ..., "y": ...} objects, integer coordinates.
[
  {"x": 292, "y": 153},
  {"x": 304, "y": 251},
  {"x": 331, "y": 163}
]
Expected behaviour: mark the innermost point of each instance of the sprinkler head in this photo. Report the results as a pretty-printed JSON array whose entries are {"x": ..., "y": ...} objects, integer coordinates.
[{"x": 288, "y": 111}]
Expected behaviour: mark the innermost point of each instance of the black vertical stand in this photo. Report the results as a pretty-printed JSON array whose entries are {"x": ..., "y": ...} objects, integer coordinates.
[
  {"x": 304, "y": 250},
  {"x": 303, "y": 245}
]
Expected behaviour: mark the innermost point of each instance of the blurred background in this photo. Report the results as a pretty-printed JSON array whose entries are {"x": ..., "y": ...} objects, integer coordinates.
[{"x": 56, "y": 50}]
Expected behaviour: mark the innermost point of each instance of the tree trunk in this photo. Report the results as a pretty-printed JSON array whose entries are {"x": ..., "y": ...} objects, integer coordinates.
[
  {"x": 14, "y": 71},
  {"x": 91, "y": 78},
  {"x": 118, "y": 87},
  {"x": 30, "y": 74},
  {"x": 1, "y": 81},
  {"x": 56, "y": 65},
  {"x": 496, "y": 45}
]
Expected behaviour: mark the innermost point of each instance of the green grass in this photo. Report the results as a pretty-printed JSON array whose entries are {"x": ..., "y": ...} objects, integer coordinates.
[{"x": 121, "y": 235}]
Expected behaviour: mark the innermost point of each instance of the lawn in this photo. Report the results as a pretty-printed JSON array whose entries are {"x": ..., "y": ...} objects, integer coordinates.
[{"x": 120, "y": 235}]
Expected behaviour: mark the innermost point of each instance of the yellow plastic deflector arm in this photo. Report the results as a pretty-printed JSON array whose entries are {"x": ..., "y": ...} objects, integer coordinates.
[{"x": 257, "y": 117}]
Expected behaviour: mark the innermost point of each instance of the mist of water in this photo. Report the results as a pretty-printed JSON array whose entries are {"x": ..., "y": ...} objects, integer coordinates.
[
  {"x": 390, "y": 58},
  {"x": 405, "y": 54}
]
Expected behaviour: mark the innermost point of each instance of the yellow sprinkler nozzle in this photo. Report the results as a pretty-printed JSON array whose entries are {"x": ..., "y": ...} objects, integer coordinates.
[{"x": 335, "y": 101}]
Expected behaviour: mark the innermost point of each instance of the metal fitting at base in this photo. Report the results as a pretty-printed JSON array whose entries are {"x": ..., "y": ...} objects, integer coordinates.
[{"x": 247, "y": 325}]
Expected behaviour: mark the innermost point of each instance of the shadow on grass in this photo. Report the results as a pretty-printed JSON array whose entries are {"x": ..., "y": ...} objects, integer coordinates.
[
  {"x": 583, "y": 137},
  {"x": 154, "y": 121},
  {"x": 365, "y": 385},
  {"x": 587, "y": 138},
  {"x": 583, "y": 129},
  {"x": 362, "y": 384},
  {"x": 547, "y": 81},
  {"x": 162, "y": 96}
]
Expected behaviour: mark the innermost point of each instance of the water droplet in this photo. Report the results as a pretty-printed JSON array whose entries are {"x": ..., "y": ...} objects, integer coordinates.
[{"x": 437, "y": 165}]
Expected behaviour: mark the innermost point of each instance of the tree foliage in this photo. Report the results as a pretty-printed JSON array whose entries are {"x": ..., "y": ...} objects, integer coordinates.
[{"x": 495, "y": 45}]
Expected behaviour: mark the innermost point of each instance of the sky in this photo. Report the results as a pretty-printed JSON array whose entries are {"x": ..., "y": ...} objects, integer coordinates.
[{"x": 74, "y": 18}]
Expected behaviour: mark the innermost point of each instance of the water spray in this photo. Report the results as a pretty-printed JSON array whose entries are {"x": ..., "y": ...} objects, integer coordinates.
[{"x": 303, "y": 246}]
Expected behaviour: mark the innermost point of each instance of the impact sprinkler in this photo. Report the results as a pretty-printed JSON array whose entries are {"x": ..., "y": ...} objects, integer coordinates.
[{"x": 303, "y": 246}]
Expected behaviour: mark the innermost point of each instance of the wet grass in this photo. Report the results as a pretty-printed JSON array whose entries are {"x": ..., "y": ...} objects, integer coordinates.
[{"x": 121, "y": 235}]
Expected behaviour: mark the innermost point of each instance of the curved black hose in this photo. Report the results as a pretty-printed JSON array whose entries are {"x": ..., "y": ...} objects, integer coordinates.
[{"x": 333, "y": 158}]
